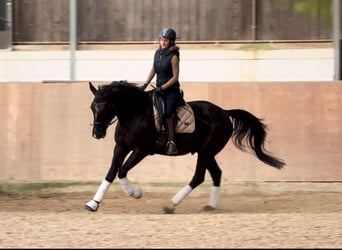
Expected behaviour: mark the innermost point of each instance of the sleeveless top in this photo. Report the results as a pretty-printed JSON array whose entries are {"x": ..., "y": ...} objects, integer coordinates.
[{"x": 162, "y": 66}]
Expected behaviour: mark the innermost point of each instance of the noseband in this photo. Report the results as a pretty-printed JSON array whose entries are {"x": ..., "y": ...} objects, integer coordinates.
[
  {"x": 99, "y": 106},
  {"x": 103, "y": 123}
]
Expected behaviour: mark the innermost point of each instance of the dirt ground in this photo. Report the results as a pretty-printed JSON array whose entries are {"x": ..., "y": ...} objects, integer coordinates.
[{"x": 250, "y": 215}]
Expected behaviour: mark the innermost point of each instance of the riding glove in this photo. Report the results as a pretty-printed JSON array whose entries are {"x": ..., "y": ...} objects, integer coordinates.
[{"x": 159, "y": 89}]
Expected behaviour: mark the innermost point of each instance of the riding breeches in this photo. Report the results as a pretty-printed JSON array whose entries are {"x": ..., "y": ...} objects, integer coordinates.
[{"x": 172, "y": 99}]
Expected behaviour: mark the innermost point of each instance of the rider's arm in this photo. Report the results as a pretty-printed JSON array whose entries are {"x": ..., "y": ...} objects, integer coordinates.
[{"x": 150, "y": 76}]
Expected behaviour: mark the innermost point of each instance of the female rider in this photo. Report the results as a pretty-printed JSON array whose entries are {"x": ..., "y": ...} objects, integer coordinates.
[{"x": 166, "y": 67}]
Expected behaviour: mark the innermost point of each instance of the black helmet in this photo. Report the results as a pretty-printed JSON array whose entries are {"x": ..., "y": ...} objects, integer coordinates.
[{"x": 168, "y": 33}]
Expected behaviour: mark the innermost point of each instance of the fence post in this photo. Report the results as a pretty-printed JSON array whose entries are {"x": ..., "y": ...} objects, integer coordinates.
[
  {"x": 72, "y": 36},
  {"x": 5, "y": 21},
  {"x": 337, "y": 39}
]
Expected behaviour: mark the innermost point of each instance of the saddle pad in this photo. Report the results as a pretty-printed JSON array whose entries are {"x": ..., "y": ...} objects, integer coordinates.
[{"x": 186, "y": 122}]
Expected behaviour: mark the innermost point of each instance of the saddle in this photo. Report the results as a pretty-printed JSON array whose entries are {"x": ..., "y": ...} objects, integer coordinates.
[{"x": 184, "y": 114}]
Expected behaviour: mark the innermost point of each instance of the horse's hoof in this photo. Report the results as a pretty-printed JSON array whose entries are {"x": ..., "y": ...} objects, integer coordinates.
[
  {"x": 137, "y": 193},
  {"x": 91, "y": 206},
  {"x": 168, "y": 210},
  {"x": 208, "y": 208},
  {"x": 89, "y": 209}
]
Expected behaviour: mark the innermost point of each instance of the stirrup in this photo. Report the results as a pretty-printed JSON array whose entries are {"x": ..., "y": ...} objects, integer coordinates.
[{"x": 171, "y": 148}]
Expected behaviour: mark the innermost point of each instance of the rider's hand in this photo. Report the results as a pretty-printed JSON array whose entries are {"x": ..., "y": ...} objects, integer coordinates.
[
  {"x": 159, "y": 89},
  {"x": 144, "y": 86}
]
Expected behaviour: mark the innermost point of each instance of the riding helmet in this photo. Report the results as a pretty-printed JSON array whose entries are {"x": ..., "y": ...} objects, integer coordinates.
[{"x": 168, "y": 33}]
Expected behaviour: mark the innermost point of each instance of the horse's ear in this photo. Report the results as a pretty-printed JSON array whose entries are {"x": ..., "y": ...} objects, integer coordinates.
[{"x": 92, "y": 88}]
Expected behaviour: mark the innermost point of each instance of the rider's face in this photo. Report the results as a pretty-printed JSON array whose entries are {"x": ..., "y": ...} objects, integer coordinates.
[{"x": 164, "y": 42}]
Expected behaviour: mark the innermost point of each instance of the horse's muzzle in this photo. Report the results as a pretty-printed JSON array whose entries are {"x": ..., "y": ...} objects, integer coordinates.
[
  {"x": 98, "y": 137},
  {"x": 99, "y": 133}
]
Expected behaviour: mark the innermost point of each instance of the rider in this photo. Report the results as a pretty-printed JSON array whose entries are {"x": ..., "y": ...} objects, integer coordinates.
[{"x": 166, "y": 67}]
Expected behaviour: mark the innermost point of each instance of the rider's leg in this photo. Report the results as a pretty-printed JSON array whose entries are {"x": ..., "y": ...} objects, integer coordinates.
[
  {"x": 171, "y": 147},
  {"x": 171, "y": 99}
]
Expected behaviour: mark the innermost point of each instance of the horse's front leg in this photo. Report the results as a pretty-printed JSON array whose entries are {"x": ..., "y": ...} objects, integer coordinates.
[
  {"x": 131, "y": 190},
  {"x": 117, "y": 160}
]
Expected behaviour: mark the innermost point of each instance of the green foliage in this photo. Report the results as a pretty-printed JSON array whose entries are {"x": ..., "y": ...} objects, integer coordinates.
[
  {"x": 176, "y": 184},
  {"x": 256, "y": 46},
  {"x": 316, "y": 9},
  {"x": 11, "y": 188}
]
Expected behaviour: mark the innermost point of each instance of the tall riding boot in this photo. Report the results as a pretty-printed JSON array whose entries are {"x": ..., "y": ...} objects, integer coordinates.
[{"x": 171, "y": 148}]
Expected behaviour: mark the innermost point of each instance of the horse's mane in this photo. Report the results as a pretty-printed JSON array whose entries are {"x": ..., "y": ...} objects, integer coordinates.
[
  {"x": 105, "y": 90},
  {"x": 114, "y": 84},
  {"x": 123, "y": 92}
]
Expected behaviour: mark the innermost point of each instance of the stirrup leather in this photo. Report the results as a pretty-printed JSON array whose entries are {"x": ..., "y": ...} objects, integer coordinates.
[{"x": 171, "y": 148}]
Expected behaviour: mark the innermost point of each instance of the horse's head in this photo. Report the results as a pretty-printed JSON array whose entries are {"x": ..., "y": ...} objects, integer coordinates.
[
  {"x": 103, "y": 113},
  {"x": 120, "y": 99}
]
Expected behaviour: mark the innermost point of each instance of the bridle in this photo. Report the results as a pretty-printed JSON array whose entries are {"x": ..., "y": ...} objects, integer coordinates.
[{"x": 102, "y": 123}]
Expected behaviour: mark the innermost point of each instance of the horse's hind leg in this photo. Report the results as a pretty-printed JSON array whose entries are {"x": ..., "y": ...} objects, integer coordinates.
[
  {"x": 215, "y": 173},
  {"x": 202, "y": 162}
]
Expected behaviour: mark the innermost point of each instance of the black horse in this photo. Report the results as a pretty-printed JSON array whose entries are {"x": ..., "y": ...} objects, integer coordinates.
[{"x": 136, "y": 137}]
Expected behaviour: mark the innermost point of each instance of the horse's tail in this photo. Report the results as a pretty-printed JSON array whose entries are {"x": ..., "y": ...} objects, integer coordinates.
[{"x": 249, "y": 135}]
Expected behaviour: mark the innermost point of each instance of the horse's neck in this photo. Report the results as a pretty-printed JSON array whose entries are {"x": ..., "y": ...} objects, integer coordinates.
[{"x": 134, "y": 112}]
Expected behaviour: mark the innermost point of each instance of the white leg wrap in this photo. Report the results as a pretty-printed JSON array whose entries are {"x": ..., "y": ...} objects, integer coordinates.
[
  {"x": 129, "y": 189},
  {"x": 214, "y": 196},
  {"x": 181, "y": 195},
  {"x": 127, "y": 186},
  {"x": 101, "y": 191}
]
